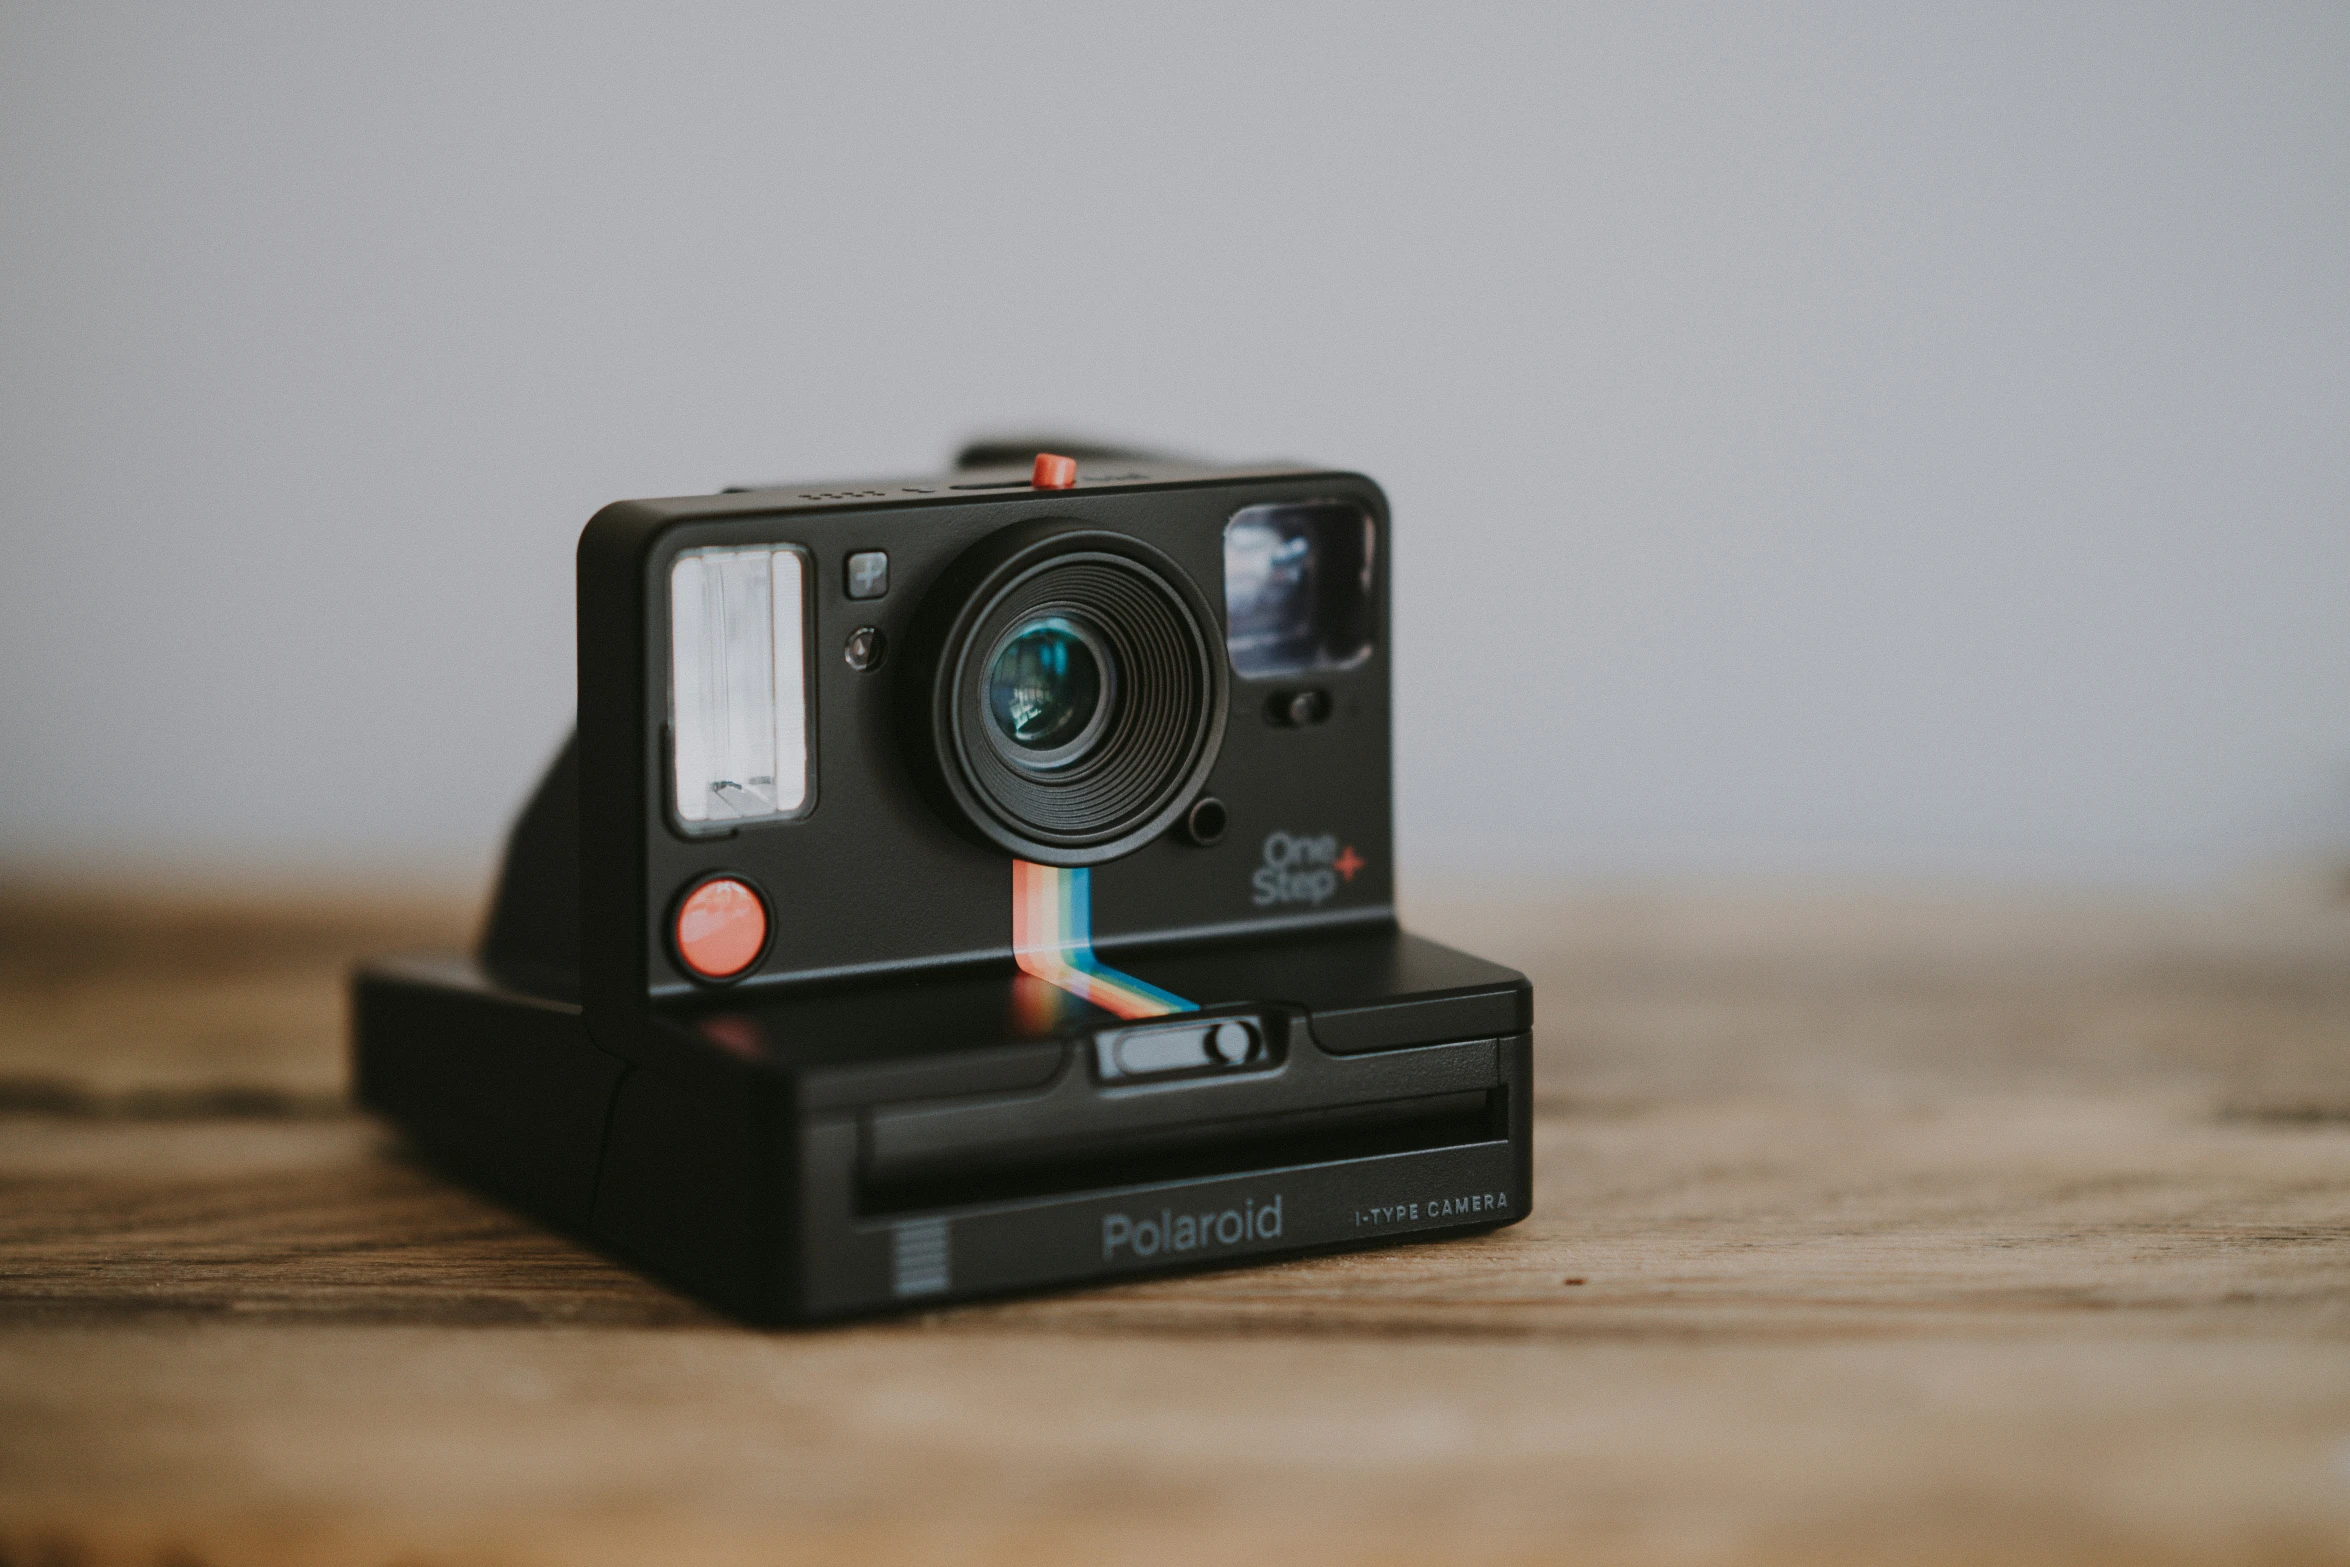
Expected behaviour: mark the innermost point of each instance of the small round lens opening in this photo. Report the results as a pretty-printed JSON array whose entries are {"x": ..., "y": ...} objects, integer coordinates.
[{"x": 1048, "y": 690}]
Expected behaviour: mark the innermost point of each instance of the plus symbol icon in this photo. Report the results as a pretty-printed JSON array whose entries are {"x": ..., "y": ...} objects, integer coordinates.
[{"x": 1348, "y": 863}]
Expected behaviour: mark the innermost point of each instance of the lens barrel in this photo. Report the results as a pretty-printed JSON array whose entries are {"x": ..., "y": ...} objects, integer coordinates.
[{"x": 1069, "y": 692}]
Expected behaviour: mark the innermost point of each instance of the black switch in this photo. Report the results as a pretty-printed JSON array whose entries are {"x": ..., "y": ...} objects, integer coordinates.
[{"x": 1298, "y": 709}]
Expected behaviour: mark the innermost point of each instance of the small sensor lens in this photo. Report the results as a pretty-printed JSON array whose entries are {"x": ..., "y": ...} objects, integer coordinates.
[{"x": 1047, "y": 690}]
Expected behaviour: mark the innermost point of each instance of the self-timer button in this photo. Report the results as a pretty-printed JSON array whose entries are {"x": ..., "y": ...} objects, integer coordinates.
[
  {"x": 865, "y": 649},
  {"x": 721, "y": 928},
  {"x": 1297, "y": 709}
]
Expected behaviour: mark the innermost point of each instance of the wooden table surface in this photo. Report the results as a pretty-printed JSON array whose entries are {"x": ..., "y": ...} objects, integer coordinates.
[{"x": 1867, "y": 1228}]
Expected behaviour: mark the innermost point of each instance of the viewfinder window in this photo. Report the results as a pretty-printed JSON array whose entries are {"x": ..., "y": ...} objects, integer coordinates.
[
  {"x": 738, "y": 683},
  {"x": 1297, "y": 587}
]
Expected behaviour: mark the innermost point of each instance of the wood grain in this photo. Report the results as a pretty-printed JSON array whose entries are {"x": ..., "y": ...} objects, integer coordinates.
[
  {"x": 189, "y": 1003},
  {"x": 1868, "y": 1227}
]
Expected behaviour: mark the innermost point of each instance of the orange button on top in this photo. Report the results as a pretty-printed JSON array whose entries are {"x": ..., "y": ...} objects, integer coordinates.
[
  {"x": 1054, "y": 473},
  {"x": 721, "y": 926}
]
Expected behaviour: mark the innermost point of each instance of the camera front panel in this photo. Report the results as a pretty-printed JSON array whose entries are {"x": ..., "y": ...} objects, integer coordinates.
[{"x": 819, "y": 726}]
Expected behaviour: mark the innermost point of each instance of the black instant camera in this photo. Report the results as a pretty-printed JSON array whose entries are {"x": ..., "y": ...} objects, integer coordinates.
[{"x": 966, "y": 885}]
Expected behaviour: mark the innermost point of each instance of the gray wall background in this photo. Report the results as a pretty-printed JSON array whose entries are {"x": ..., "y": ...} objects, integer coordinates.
[{"x": 1844, "y": 440}]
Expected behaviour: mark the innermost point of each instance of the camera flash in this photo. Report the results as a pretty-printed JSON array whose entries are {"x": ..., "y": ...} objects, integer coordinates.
[{"x": 738, "y": 683}]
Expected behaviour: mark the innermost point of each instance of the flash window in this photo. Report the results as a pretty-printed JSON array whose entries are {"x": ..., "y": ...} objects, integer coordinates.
[{"x": 738, "y": 684}]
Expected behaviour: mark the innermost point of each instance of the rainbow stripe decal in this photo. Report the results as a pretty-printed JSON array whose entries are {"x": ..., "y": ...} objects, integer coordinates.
[{"x": 1052, "y": 939}]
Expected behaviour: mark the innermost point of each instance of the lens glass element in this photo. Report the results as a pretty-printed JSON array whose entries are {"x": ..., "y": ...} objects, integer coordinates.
[{"x": 1045, "y": 691}]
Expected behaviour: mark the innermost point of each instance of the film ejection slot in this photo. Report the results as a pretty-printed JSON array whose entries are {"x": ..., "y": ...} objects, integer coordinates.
[{"x": 1165, "y": 1049}]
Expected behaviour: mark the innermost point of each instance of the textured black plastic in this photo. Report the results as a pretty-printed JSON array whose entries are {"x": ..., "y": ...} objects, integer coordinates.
[
  {"x": 500, "y": 1084},
  {"x": 532, "y": 939}
]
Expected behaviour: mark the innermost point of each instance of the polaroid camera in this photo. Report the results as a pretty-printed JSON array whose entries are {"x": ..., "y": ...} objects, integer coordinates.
[{"x": 966, "y": 885}]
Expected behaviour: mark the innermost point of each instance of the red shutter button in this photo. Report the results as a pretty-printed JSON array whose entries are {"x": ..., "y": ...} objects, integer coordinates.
[
  {"x": 1054, "y": 473},
  {"x": 721, "y": 928}
]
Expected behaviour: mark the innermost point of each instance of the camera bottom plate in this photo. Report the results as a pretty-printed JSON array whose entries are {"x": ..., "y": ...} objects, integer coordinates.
[{"x": 853, "y": 1151}]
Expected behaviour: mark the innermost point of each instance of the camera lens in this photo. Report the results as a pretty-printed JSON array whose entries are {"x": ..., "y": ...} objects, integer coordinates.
[
  {"x": 1063, "y": 694},
  {"x": 1048, "y": 692}
]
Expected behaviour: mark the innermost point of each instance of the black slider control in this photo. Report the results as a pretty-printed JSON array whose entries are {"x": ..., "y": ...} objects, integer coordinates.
[
  {"x": 1166, "y": 1048},
  {"x": 1297, "y": 709}
]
